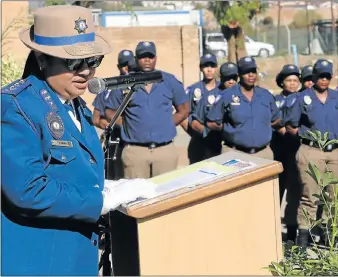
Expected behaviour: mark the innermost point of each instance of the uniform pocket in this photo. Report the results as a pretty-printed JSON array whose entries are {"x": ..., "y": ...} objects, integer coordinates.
[{"x": 59, "y": 156}]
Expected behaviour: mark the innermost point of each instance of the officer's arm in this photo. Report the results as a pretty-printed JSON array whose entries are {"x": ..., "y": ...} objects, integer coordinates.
[
  {"x": 276, "y": 122},
  {"x": 27, "y": 185},
  {"x": 292, "y": 114},
  {"x": 185, "y": 123},
  {"x": 98, "y": 120},
  {"x": 113, "y": 103},
  {"x": 180, "y": 102},
  {"x": 214, "y": 119}
]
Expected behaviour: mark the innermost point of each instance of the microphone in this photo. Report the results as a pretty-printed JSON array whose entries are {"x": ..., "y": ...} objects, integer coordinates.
[{"x": 98, "y": 85}]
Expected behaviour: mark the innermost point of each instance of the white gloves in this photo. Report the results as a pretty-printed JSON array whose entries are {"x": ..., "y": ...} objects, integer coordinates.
[{"x": 124, "y": 191}]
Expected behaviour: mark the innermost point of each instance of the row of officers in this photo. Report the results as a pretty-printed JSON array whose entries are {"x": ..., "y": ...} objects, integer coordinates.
[{"x": 231, "y": 114}]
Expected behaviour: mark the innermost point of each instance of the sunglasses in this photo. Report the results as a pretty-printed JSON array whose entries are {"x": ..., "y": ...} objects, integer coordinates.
[{"x": 76, "y": 64}]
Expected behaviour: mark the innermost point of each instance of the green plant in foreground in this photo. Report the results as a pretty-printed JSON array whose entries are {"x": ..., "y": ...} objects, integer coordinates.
[
  {"x": 315, "y": 261},
  {"x": 10, "y": 70}
]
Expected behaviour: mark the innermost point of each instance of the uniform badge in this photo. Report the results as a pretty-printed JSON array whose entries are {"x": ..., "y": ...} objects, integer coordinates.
[
  {"x": 208, "y": 56},
  {"x": 325, "y": 63},
  {"x": 48, "y": 99},
  {"x": 291, "y": 67},
  {"x": 146, "y": 43},
  {"x": 230, "y": 65},
  {"x": 198, "y": 93},
  {"x": 310, "y": 68},
  {"x": 278, "y": 104},
  {"x": 235, "y": 100},
  {"x": 81, "y": 25},
  {"x": 55, "y": 125},
  {"x": 126, "y": 53},
  {"x": 248, "y": 59},
  {"x": 211, "y": 99},
  {"x": 307, "y": 100}
]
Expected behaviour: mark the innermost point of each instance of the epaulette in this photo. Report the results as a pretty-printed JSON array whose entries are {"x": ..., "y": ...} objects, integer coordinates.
[
  {"x": 291, "y": 100},
  {"x": 16, "y": 87}
]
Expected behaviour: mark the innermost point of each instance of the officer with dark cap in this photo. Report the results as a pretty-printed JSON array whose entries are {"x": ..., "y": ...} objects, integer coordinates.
[
  {"x": 125, "y": 63},
  {"x": 314, "y": 109},
  {"x": 306, "y": 77},
  {"x": 284, "y": 147},
  {"x": 148, "y": 126},
  {"x": 209, "y": 85},
  {"x": 213, "y": 139},
  {"x": 246, "y": 114}
]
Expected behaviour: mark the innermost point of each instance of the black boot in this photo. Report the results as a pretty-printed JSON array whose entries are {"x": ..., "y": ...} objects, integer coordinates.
[
  {"x": 303, "y": 238},
  {"x": 292, "y": 233}
]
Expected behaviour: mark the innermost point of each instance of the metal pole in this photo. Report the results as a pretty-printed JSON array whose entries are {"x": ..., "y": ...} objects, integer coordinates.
[
  {"x": 295, "y": 54},
  {"x": 289, "y": 38},
  {"x": 334, "y": 39},
  {"x": 307, "y": 28},
  {"x": 278, "y": 27}
]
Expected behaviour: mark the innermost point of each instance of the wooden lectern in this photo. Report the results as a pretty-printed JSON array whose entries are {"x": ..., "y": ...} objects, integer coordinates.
[{"x": 229, "y": 227}]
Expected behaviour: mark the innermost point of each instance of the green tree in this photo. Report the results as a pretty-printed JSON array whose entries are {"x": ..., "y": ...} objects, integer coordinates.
[{"x": 233, "y": 18}]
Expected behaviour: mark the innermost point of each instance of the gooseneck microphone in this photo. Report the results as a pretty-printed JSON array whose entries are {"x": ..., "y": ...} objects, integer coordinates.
[{"x": 98, "y": 85}]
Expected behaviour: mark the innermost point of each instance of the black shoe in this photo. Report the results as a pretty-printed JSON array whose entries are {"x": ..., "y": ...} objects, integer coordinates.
[
  {"x": 291, "y": 233},
  {"x": 303, "y": 238}
]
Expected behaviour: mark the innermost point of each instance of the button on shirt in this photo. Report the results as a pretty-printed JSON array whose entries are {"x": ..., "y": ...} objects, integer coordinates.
[
  {"x": 307, "y": 112},
  {"x": 148, "y": 116},
  {"x": 246, "y": 124}
]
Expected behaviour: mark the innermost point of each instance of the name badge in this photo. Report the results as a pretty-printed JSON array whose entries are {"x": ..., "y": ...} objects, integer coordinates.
[
  {"x": 235, "y": 104},
  {"x": 62, "y": 143}
]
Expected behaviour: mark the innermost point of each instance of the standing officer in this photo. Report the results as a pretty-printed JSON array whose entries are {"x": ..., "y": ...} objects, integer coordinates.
[
  {"x": 52, "y": 184},
  {"x": 246, "y": 114},
  {"x": 313, "y": 109},
  {"x": 209, "y": 86},
  {"x": 124, "y": 65},
  {"x": 306, "y": 77},
  {"x": 285, "y": 147},
  {"x": 212, "y": 140},
  {"x": 148, "y": 125}
]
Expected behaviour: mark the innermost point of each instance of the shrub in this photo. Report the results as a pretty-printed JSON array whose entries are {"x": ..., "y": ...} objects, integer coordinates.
[
  {"x": 10, "y": 70},
  {"x": 299, "y": 19}
]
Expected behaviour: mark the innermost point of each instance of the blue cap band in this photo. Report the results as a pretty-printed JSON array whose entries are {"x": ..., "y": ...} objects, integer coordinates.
[{"x": 63, "y": 41}]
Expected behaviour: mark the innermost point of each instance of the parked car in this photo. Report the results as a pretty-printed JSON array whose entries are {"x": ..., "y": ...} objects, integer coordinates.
[{"x": 217, "y": 44}]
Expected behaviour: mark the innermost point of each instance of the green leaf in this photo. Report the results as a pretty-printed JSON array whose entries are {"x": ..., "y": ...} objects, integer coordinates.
[{"x": 314, "y": 172}]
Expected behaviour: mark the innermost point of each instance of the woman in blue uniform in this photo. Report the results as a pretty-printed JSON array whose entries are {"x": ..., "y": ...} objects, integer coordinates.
[
  {"x": 285, "y": 147},
  {"x": 246, "y": 114},
  {"x": 52, "y": 184}
]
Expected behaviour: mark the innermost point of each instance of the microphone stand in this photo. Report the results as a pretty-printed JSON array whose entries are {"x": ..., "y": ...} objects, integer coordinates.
[{"x": 111, "y": 145}]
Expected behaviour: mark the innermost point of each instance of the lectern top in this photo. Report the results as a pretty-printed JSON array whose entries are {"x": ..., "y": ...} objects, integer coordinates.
[{"x": 224, "y": 183}]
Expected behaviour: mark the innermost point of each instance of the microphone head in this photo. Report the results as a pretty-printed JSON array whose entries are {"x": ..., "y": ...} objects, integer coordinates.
[{"x": 96, "y": 85}]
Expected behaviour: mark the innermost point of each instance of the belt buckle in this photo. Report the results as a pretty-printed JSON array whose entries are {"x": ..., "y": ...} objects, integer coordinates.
[{"x": 152, "y": 145}]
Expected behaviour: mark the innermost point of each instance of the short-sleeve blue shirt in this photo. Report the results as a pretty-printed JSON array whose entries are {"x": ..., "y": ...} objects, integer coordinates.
[
  {"x": 100, "y": 101},
  {"x": 307, "y": 112},
  {"x": 246, "y": 124},
  {"x": 148, "y": 117}
]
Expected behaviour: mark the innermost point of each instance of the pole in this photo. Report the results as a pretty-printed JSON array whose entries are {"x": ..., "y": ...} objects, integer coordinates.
[
  {"x": 308, "y": 27},
  {"x": 289, "y": 38},
  {"x": 278, "y": 27},
  {"x": 334, "y": 39},
  {"x": 295, "y": 54}
]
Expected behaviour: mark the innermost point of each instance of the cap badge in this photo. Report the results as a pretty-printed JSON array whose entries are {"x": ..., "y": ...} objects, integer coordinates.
[
  {"x": 248, "y": 59},
  {"x": 146, "y": 43},
  {"x": 291, "y": 67},
  {"x": 307, "y": 100},
  {"x": 126, "y": 53},
  {"x": 310, "y": 68},
  {"x": 208, "y": 56},
  {"x": 81, "y": 25},
  {"x": 325, "y": 63},
  {"x": 230, "y": 65}
]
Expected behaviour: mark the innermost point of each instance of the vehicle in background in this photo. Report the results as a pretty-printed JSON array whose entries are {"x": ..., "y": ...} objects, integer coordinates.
[{"x": 216, "y": 44}]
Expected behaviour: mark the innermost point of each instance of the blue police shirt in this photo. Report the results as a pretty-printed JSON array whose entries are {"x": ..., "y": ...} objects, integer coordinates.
[
  {"x": 246, "y": 124},
  {"x": 307, "y": 112},
  {"x": 281, "y": 105},
  {"x": 195, "y": 93},
  {"x": 52, "y": 181},
  {"x": 100, "y": 101},
  {"x": 148, "y": 116}
]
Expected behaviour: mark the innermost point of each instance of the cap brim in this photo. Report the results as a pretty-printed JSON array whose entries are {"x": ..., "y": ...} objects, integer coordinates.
[
  {"x": 77, "y": 51},
  {"x": 145, "y": 52}
]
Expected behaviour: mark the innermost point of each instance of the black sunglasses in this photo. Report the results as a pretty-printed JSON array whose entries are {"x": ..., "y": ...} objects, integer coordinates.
[{"x": 76, "y": 64}]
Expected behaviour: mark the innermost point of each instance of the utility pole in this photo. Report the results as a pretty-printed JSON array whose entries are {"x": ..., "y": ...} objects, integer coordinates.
[
  {"x": 278, "y": 27},
  {"x": 308, "y": 27},
  {"x": 334, "y": 39}
]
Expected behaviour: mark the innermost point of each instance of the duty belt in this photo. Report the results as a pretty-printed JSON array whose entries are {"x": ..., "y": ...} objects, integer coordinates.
[
  {"x": 311, "y": 143},
  {"x": 150, "y": 145},
  {"x": 252, "y": 150}
]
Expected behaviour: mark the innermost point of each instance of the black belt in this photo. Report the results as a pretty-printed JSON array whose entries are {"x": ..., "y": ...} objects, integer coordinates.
[
  {"x": 311, "y": 143},
  {"x": 247, "y": 150},
  {"x": 150, "y": 145}
]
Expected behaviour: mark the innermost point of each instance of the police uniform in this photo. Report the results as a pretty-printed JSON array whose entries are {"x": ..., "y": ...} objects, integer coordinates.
[
  {"x": 306, "y": 112},
  {"x": 198, "y": 144},
  {"x": 305, "y": 75},
  {"x": 246, "y": 125},
  {"x": 148, "y": 129},
  {"x": 285, "y": 148},
  {"x": 52, "y": 178}
]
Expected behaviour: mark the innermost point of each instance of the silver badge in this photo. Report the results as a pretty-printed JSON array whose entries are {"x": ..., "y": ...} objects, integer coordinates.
[
  {"x": 211, "y": 99},
  {"x": 248, "y": 59},
  {"x": 55, "y": 125},
  {"x": 81, "y": 25},
  {"x": 126, "y": 53},
  {"x": 325, "y": 63},
  {"x": 198, "y": 93},
  {"x": 307, "y": 100},
  {"x": 278, "y": 104},
  {"x": 235, "y": 99},
  {"x": 208, "y": 56},
  {"x": 291, "y": 67},
  {"x": 230, "y": 65},
  {"x": 146, "y": 43}
]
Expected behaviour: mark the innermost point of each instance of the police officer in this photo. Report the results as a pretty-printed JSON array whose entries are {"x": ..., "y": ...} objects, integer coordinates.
[
  {"x": 209, "y": 85},
  {"x": 313, "y": 109},
  {"x": 52, "y": 163},
  {"x": 148, "y": 125},
  {"x": 285, "y": 147},
  {"x": 246, "y": 114},
  {"x": 212, "y": 140},
  {"x": 306, "y": 77}
]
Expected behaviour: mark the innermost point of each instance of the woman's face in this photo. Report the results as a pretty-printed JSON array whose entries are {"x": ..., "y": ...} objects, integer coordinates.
[
  {"x": 291, "y": 83},
  {"x": 69, "y": 78}
]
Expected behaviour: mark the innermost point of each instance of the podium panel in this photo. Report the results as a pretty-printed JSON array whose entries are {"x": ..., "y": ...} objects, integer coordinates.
[{"x": 228, "y": 226}]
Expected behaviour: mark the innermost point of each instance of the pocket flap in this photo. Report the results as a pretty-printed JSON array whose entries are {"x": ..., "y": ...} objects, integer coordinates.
[{"x": 62, "y": 155}]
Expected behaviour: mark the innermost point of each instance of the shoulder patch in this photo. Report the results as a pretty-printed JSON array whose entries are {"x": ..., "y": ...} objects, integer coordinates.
[{"x": 16, "y": 87}]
